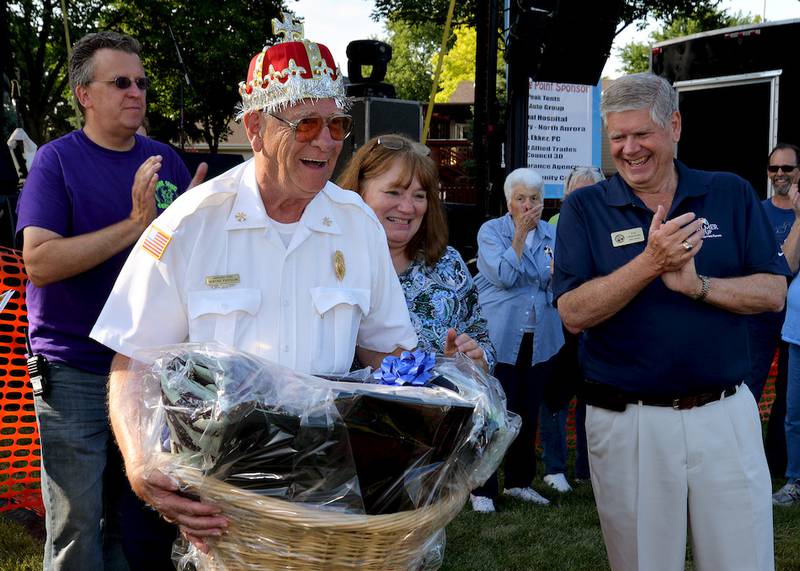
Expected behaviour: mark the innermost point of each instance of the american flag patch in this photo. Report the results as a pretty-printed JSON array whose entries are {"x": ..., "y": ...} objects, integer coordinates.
[{"x": 156, "y": 242}]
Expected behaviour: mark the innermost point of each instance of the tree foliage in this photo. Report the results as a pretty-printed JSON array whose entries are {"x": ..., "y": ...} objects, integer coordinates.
[
  {"x": 639, "y": 11},
  {"x": 216, "y": 40},
  {"x": 39, "y": 60},
  {"x": 635, "y": 56},
  {"x": 436, "y": 10},
  {"x": 459, "y": 64},
  {"x": 410, "y": 69},
  {"x": 425, "y": 11}
]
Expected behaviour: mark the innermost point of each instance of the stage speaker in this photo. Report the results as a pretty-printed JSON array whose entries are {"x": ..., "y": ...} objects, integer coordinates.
[
  {"x": 374, "y": 116},
  {"x": 376, "y": 55},
  {"x": 563, "y": 41}
]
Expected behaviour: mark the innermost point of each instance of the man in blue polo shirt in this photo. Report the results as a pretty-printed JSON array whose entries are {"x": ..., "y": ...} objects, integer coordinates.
[
  {"x": 657, "y": 267},
  {"x": 765, "y": 328}
]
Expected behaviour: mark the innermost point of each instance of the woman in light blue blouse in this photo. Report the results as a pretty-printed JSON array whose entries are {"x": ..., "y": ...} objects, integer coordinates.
[
  {"x": 515, "y": 256},
  {"x": 399, "y": 181}
]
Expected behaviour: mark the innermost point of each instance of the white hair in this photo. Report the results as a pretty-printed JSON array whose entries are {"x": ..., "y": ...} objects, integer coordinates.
[
  {"x": 525, "y": 177},
  {"x": 582, "y": 173},
  {"x": 641, "y": 91}
]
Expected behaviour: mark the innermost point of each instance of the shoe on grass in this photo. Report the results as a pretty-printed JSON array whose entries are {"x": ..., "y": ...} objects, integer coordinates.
[
  {"x": 527, "y": 495},
  {"x": 482, "y": 504},
  {"x": 558, "y": 482},
  {"x": 788, "y": 495}
]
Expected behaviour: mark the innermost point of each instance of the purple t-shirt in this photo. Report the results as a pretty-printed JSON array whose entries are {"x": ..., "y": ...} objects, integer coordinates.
[{"x": 75, "y": 187}]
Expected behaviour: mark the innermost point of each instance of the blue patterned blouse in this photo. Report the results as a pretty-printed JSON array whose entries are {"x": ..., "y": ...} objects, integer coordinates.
[{"x": 442, "y": 297}]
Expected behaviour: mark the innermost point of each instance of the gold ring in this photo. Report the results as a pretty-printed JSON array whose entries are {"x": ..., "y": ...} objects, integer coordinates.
[{"x": 687, "y": 245}]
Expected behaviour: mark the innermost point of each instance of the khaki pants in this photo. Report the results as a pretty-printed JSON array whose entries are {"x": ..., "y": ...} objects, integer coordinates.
[{"x": 657, "y": 472}]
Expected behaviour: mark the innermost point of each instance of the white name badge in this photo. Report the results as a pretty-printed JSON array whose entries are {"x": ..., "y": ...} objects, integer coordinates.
[{"x": 625, "y": 237}]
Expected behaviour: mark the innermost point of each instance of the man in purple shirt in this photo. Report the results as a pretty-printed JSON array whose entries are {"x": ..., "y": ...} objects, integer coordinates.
[{"x": 89, "y": 196}]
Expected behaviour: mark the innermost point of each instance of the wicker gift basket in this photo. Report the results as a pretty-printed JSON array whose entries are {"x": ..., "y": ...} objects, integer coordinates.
[{"x": 321, "y": 473}]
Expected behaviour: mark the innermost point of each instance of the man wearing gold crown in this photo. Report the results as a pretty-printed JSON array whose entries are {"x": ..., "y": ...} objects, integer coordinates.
[{"x": 270, "y": 258}]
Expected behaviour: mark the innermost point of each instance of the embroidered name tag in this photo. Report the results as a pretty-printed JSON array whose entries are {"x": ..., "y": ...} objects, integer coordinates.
[
  {"x": 226, "y": 280},
  {"x": 625, "y": 237}
]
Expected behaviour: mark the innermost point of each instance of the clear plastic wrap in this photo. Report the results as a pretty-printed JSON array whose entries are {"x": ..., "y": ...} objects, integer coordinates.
[{"x": 319, "y": 473}]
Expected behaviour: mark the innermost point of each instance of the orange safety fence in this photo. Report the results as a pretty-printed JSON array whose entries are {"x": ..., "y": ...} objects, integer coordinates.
[{"x": 20, "y": 455}]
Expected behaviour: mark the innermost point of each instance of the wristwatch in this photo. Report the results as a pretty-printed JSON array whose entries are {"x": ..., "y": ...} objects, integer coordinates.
[{"x": 704, "y": 288}]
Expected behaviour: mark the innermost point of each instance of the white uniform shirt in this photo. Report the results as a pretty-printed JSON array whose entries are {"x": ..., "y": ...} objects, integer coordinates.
[{"x": 286, "y": 304}]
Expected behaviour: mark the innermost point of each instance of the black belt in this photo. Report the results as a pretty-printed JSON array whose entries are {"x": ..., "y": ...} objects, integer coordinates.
[{"x": 604, "y": 396}]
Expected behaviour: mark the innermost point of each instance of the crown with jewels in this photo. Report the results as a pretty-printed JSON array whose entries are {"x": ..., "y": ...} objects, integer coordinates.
[{"x": 292, "y": 71}]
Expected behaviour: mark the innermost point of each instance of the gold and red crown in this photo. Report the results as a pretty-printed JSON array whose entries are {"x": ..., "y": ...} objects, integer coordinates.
[{"x": 292, "y": 71}]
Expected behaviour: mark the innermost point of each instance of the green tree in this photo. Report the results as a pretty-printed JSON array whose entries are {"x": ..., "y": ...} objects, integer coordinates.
[
  {"x": 635, "y": 56},
  {"x": 459, "y": 64},
  {"x": 413, "y": 46},
  {"x": 39, "y": 61},
  {"x": 425, "y": 11},
  {"x": 436, "y": 10},
  {"x": 216, "y": 39}
]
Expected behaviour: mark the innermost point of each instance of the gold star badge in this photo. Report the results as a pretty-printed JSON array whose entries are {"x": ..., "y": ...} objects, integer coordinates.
[
  {"x": 241, "y": 216},
  {"x": 327, "y": 221},
  {"x": 338, "y": 265}
]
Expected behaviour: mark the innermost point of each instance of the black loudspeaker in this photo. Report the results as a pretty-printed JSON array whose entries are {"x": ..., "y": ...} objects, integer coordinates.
[
  {"x": 379, "y": 116},
  {"x": 563, "y": 41}
]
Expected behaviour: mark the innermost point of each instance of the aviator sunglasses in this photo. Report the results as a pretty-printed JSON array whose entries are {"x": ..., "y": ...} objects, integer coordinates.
[
  {"x": 307, "y": 128},
  {"x": 122, "y": 82},
  {"x": 395, "y": 143},
  {"x": 784, "y": 168}
]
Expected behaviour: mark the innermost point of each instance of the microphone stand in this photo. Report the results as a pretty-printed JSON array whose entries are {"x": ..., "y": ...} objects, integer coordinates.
[{"x": 182, "y": 133}]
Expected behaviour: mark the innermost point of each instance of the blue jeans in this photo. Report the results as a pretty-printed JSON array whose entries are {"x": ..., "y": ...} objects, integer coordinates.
[
  {"x": 792, "y": 422},
  {"x": 83, "y": 530},
  {"x": 553, "y": 433}
]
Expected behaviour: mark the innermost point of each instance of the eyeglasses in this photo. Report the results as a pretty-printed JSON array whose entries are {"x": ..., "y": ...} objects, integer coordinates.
[
  {"x": 784, "y": 168},
  {"x": 122, "y": 82},
  {"x": 307, "y": 128},
  {"x": 395, "y": 143}
]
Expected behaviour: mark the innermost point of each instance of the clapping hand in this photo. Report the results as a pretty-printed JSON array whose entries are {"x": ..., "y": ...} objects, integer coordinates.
[{"x": 671, "y": 244}]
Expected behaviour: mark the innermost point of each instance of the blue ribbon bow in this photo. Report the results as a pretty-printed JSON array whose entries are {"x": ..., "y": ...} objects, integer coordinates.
[{"x": 410, "y": 368}]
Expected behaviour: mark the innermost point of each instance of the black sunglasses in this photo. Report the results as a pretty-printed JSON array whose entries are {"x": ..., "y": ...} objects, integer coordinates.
[
  {"x": 784, "y": 168},
  {"x": 307, "y": 128},
  {"x": 122, "y": 82}
]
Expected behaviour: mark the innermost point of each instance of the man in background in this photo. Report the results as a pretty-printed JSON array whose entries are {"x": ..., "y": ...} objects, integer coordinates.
[
  {"x": 765, "y": 329},
  {"x": 89, "y": 196}
]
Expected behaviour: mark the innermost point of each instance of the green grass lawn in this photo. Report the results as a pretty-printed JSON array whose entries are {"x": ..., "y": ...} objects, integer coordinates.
[
  {"x": 565, "y": 535},
  {"x": 18, "y": 550}
]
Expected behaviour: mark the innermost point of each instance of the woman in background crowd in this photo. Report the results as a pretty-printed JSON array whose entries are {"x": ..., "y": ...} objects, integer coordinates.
[
  {"x": 515, "y": 254},
  {"x": 553, "y": 424},
  {"x": 398, "y": 180}
]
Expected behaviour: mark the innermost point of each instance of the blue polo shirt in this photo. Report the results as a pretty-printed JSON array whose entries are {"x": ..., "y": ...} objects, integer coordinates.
[
  {"x": 663, "y": 342},
  {"x": 780, "y": 218}
]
